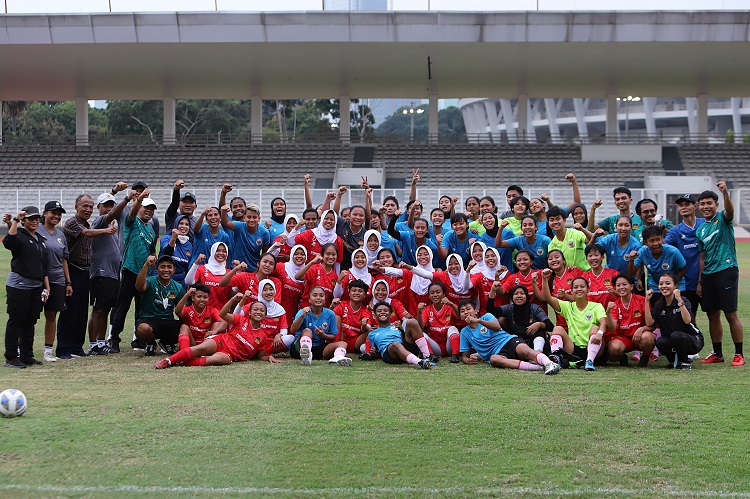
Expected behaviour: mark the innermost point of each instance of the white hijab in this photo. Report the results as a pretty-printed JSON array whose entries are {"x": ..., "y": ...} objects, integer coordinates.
[
  {"x": 213, "y": 266},
  {"x": 372, "y": 255},
  {"x": 361, "y": 274},
  {"x": 273, "y": 309},
  {"x": 457, "y": 281},
  {"x": 489, "y": 272},
  {"x": 480, "y": 266},
  {"x": 323, "y": 235},
  {"x": 387, "y": 300},
  {"x": 291, "y": 267},
  {"x": 286, "y": 221},
  {"x": 420, "y": 285}
]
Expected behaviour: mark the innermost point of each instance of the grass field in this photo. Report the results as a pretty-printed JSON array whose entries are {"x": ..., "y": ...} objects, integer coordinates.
[{"x": 113, "y": 426}]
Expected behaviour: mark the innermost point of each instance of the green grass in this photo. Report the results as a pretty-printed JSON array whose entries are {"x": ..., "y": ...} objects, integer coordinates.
[{"x": 113, "y": 426}]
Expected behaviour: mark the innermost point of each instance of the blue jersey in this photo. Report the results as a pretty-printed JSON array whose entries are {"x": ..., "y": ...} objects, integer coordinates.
[
  {"x": 484, "y": 340},
  {"x": 386, "y": 241},
  {"x": 617, "y": 257},
  {"x": 409, "y": 247},
  {"x": 539, "y": 249},
  {"x": 326, "y": 320},
  {"x": 247, "y": 246},
  {"x": 670, "y": 260},
  {"x": 506, "y": 254},
  {"x": 276, "y": 229},
  {"x": 204, "y": 240},
  {"x": 683, "y": 238},
  {"x": 450, "y": 241},
  {"x": 381, "y": 337}
]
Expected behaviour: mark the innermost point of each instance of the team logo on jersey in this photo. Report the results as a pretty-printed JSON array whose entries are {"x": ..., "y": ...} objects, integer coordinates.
[
  {"x": 258, "y": 242},
  {"x": 539, "y": 251},
  {"x": 625, "y": 257},
  {"x": 716, "y": 221},
  {"x": 207, "y": 320},
  {"x": 607, "y": 282},
  {"x": 518, "y": 280},
  {"x": 394, "y": 328},
  {"x": 171, "y": 296},
  {"x": 569, "y": 281},
  {"x": 400, "y": 279},
  {"x": 571, "y": 244},
  {"x": 635, "y": 226},
  {"x": 665, "y": 266},
  {"x": 589, "y": 316},
  {"x": 483, "y": 330},
  {"x": 324, "y": 325},
  {"x": 257, "y": 340},
  {"x": 361, "y": 242},
  {"x": 59, "y": 240},
  {"x": 187, "y": 253},
  {"x": 637, "y": 313},
  {"x": 683, "y": 236},
  {"x": 448, "y": 316}
]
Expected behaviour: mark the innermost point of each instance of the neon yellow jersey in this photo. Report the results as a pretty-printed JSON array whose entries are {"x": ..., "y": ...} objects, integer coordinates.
[
  {"x": 573, "y": 247},
  {"x": 581, "y": 321}
]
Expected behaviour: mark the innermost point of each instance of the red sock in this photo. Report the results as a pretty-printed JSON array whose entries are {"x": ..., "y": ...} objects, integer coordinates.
[
  {"x": 368, "y": 345},
  {"x": 200, "y": 361},
  {"x": 183, "y": 356},
  {"x": 184, "y": 341},
  {"x": 455, "y": 341}
]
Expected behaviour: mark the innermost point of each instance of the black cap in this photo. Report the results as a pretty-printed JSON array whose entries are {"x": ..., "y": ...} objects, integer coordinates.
[
  {"x": 686, "y": 197},
  {"x": 165, "y": 258},
  {"x": 53, "y": 206},
  {"x": 31, "y": 211},
  {"x": 188, "y": 195},
  {"x": 139, "y": 184}
]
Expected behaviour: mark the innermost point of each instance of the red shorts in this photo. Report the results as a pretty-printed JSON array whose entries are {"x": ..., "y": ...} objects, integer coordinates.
[
  {"x": 229, "y": 345},
  {"x": 270, "y": 350},
  {"x": 628, "y": 342},
  {"x": 351, "y": 344}
]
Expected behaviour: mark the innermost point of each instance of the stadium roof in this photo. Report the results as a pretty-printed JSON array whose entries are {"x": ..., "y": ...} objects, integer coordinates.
[{"x": 327, "y": 54}]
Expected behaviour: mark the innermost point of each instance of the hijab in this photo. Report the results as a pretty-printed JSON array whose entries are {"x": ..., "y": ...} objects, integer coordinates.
[
  {"x": 291, "y": 267},
  {"x": 493, "y": 231},
  {"x": 213, "y": 266},
  {"x": 489, "y": 272},
  {"x": 362, "y": 274},
  {"x": 273, "y": 308},
  {"x": 420, "y": 285},
  {"x": 480, "y": 266},
  {"x": 457, "y": 281},
  {"x": 286, "y": 220},
  {"x": 371, "y": 255},
  {"x": 387, "y": 300},
  {"x": 182, "y": 239},
  {"x": 323, "y": 235},
  {"x": 278, "y": 218},
  {"x": 521, "y": 313}
]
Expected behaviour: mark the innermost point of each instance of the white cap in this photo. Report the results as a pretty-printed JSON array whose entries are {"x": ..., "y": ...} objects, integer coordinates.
[
  {"x": 148, "y": 202},
  {"x": 105, "y": 198}
]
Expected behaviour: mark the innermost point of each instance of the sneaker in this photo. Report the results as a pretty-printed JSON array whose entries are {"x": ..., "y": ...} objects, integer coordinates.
[
  {"x": 79, "y": 354},
  {"x": 171, "y": 349},
  {"x": 433, "y": 358},
  {"x": 455, "y": 358},
  {"x": 162, "y": 364},
  {"x": 551, "y": 368},
  {"x": 160, "y": 347},
  {"x": 66, "y": 356},
  {"x": 426, "y": 364},
  {"x": 139, "y": 346},
  {"x": 49, "y": 357},
  {"x": 694, "y": 356},
  {"x": 31, "y": 362},
  {"x": 739, "y": 360},
  {"x": 342, "y": 361},
  {"x": 97, "y": 350},
  {"x": 150, "y": 350},
  {"x": 589, "y": 365},
  {"x": 653, "y": 357},
  {"x": 305, "y": 353},
  {"x": 712, "y": 359},
  {"x": 16, "y": 363},
  {"x": 684, "y": 366},
  {"x": 114, "y": 345}
]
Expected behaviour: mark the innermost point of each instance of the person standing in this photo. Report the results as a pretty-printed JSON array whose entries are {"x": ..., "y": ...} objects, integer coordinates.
[
  {"x": 26, "y": 287},
  {"x": 720, "y": 273},
  {"x": 181, "y": 205},
  {"x": 683, "y": 237}
]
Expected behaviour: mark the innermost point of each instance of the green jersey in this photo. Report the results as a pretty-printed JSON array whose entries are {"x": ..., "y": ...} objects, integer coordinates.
[
  {"x": 716, "y": 242},
  {"x": 140, "y": 241},
  {"x": 609, "y": 224},
  {"x": 479, "y": 226},
  {"x": 573, "y": 247},
  {"x": 514, "y": 224},
  {"x": 158, "y": 301},
  {"x": 580, "y": 322}
]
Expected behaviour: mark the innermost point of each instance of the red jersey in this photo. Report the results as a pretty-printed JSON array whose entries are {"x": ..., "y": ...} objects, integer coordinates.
[
  {"x": 483, "y": 292},
  {"x": 313, "y": 246},
  {"x": 242, "y": 341},
  {"x": 599, "y": 284},
  {"x": 245, "y": 281},
  {"x": 513, "y": 280},
  {"x": 437, "y": 322},
  {"x": 398, "y": 286},
  {"x": 411, "y": 299},
  {"x": 317, "y": 276},
  {"x": 456, "y": 297},
  {"x": 199, "y": 323},
  {"x": 564, "y": 282},
  {"x": 284, "y": 250},
  {"x": 291, "y": 292},
  {"x": 351, "y": 320},
  {"x": 348, "y": 277},
  {"x": 629, "y": 318},
  {"x": 219, "y": 294}
]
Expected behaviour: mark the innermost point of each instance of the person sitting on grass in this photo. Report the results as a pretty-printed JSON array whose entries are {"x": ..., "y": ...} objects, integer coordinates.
[
  {"x": 394, "y": 344},
  {"x": 586, "y": 321},
  {"x": 626, "y": 324},
  {"x": 437, "y": 319},
  {"x": 352, "y": 315},
  {"x": 314, "y": 330},
  {"x": 199, "y": 319},
  {"x": 526, "y": 320},
  {"x": 244, "y": 340},
  {"x": 497, "y": 347}
]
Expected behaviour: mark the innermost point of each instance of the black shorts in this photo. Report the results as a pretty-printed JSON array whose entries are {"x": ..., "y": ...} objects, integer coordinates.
[
  {"x": 317, "y": 351},
  {"x": 103, "y": 294},
  {"x": 56, "y": 300},
  {"x": 719, "y": 290},
  {"x": 165, "y": 330},
  {"x": 509, "y": 349},
  {"x": 410, "y": 347}
]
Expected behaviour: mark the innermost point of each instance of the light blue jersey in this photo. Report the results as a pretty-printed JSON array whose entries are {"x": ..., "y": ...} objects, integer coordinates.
[
  {"x": 670, "y": 260},
  {"x": 247, "y": 246},
  {"x": 450, "y": 241},
  {"x": 484, "y": 340},
  {"x": 326, "y": 320},
  {"x": 381, "y": 337},
  {"x": 617, "y": 257},
  {"x": 539, "y": 249}
]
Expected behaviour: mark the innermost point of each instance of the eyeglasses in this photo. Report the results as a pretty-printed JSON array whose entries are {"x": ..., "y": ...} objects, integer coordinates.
[{"x": 646, "y": 212}]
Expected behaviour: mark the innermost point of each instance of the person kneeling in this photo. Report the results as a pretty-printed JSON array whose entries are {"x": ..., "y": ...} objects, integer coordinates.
[
  {"x": 244, "y": 340},
  {"x": 497, "y": 347},
  {"x": 159, "y": 296},
  {"x": 396, "y": 345}
]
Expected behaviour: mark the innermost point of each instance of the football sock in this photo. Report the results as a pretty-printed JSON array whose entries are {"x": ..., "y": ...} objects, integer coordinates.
[
  {"x": 423, "y": 347},
  {"x": 555, "y": 342},
  {"x": 182, "y": 356},
  {"x": 539, "y": 344},
  {"x": 368, "y": 346},
  {"x": 92, "y": 344},
  {"x": 593, "y": 349},
  {"x": 339, "y": 352},
  {"x": 412, "y": 359},
  {"x": 363, "y": 347},
  {"x": 738, "y": 348},
  {"x": 542, "y": 359},
  {"x": 305, "y": 341},
  {"x": 717, "y": 350},
  {"x": 47, "y": 349},
  {"x": 287, "y": 340},
  {"x": 200, "y": 361},
  {"x": 184, "y": 341},
  {"x": 455, "y": 341},
  {"x": 528, "y": 366}
]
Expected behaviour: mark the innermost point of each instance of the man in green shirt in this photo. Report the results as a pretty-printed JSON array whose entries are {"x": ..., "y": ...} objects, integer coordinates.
[
  {"x": 623, "y": 200},
  {"x": 159, "y": 296},
  {"x": 719, "y": 282}
]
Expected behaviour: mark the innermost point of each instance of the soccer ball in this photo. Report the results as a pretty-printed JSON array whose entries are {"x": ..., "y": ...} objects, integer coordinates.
[{"x": 12, "y": 403}]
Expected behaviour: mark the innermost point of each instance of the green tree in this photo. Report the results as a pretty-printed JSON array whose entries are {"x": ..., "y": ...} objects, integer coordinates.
[
  {"x": 14, "y": 108},
  {"x": 398, "y": 125}
]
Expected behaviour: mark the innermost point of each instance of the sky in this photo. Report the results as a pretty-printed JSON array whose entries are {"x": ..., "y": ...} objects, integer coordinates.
[{"x": 75, "y": 6}]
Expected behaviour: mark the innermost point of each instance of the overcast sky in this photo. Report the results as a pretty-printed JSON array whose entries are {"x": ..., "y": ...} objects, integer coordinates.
[{"x": 58, "y": 6}]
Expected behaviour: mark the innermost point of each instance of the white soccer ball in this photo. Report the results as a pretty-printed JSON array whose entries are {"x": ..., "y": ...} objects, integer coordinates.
[{"x": 12, "y": 403}]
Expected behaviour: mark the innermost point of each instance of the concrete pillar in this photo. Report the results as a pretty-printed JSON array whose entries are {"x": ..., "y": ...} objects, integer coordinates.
[
  {"x": 523, "y": 118},
  {"x": 82, "y": 121},
  {"x": 581, "y": 105},
  {"x": 649, "y": 105},
  {"x": 169, "y": 131},
  {"x": 702, "y": 117},
  {"x": 736, "y": 120},
  {"x": 345, "y": 124},
  {"x": 612, "y": 127},
  {"x": 432, "y": 124},
  {"x": 550, "y": 106},
  {"x": 256, "y": 119},
  {"x": 493, "y": 118}
]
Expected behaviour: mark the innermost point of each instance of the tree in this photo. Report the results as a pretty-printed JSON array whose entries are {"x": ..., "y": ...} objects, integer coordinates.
[
  {"x": 361, "y": 119},
  {"x": 14, "y": 108},
  {"x": 398, "y": 125}
]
